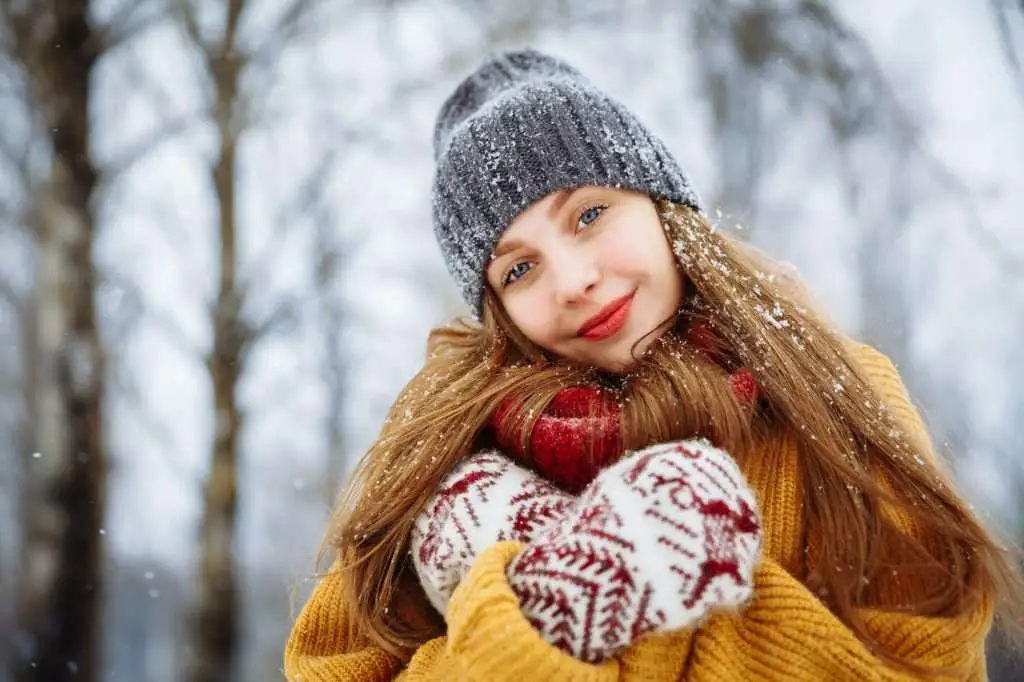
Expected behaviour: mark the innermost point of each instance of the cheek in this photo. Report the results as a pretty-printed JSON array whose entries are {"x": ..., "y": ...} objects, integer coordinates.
[
  {"x": 626, "y": 253},
  {"x": 644, "y": 256},
  {"x": 618, "y": 252},
  {"x": 531, "y": 316}
]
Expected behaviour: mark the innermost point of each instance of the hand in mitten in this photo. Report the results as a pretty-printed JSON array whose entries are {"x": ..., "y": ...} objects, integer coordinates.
[
  {"x": 652, "y": 544},
  {"x": 655, "y": 542},
  {"x": 486, "y": 499}
]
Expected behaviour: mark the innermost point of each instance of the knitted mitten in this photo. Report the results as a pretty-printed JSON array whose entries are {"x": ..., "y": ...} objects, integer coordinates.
[
  {"x": 651, "y": 545},
  {"x": 657, "y": 540},
  {"x": 486, "y": 499}
]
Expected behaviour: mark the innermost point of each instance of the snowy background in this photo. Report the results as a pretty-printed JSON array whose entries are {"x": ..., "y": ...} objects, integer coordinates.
[{"x": 878, "y": 146}]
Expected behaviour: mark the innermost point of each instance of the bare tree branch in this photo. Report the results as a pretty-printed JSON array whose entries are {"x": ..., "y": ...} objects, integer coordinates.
[
  {"x": 10, "y": 294},
  {"x": 286, "y": 313},
  {"x": 235, "y": 9},
  {"x": 130, "y": 22},
  {"x": 186, "y": 14},
  {"x": 900, "y": 121},
  {"x": 144, "y": 147},
  {"x": 1001, "y": 13},
  {"x": 163, "y": 105},
  {"x": 160, "y": 318},
  {"x": 845, "y": 68},
  {"x": 308, "y": 193},
  {"x": 127, "y": 383},
  {"x": 18, "y": 159},
  {"x": 288, "y": 27}
]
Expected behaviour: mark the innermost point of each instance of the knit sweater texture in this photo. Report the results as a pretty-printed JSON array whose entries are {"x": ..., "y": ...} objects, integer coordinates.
[{"x": 784, "y": 633}]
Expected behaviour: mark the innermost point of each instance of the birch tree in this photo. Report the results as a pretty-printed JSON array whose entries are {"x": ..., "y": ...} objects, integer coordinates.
[{"x": 60, "y": 584}]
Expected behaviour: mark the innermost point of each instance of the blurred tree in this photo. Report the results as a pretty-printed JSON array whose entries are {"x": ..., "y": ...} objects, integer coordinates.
[
  {"x": 811, "y": 59},
  {"x": 230, "y": 63},
  {"x": 808, "y": 57},
  {"x": 1009, "y": 20},
  {"x": 17, "y": 355},
  {"x": 214, "y": 629},
  {"x": 64, "y": 486},
  {"x": 329, "y": 260}
]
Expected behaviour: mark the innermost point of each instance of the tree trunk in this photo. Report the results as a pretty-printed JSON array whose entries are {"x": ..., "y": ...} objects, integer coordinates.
[
  {"x": 337, "y": 462},
  {"x": 332, "y": 319},
  {"x": 214, "y": 632},
  {"x": 62, "y": 555}
]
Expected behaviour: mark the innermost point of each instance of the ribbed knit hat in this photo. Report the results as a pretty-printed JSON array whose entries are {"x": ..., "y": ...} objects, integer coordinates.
[{"x": 521, "y": 126}]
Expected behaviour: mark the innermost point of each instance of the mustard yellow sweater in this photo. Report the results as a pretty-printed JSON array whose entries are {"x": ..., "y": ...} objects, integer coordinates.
[{"x": 785, "y": 632}]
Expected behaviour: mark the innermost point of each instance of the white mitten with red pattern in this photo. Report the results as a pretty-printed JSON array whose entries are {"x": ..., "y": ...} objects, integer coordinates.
[
  {"x": 486, "y": 499},
  {"x": 651, "y": 545},
  {"x": 656, "y": 541}
]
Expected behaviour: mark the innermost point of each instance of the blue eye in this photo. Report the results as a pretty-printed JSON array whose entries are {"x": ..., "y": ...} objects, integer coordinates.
[
  {"x": 518, "y": 270},
  {"x": 590, "y": 216}
]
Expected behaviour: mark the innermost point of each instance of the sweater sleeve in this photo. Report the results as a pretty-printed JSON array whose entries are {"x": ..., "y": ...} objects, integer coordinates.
[
  {"x": 886, "y": 380},
  {"x": 322, "y": 647},
  {"x": 785, "y": 633}
]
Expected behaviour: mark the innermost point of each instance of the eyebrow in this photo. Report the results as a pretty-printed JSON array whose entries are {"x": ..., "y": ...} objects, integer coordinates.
[
  {"x": 504, "y": 247},
  {"x": 561, "y": 197}
]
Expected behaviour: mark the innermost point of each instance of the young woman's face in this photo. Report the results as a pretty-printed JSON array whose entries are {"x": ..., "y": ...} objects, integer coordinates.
[{"x": 587, "y": 273}]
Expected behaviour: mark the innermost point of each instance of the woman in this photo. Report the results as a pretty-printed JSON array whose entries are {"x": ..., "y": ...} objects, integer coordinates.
[{"x": 649, "y": 459}]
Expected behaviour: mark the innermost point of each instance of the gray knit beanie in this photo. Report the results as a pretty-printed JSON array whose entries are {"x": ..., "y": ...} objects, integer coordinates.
[{"x": 521, "y": 126}]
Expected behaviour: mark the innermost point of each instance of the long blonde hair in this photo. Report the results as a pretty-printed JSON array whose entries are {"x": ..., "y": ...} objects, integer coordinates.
[{"x": 852, "y": 454}]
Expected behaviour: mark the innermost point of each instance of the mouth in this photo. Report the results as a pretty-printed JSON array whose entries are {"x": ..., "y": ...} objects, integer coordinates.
[{"x": 608, "y": 321}]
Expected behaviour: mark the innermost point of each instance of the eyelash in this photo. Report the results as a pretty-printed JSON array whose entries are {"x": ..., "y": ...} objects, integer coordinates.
[
  {"x": 587, "y": 209},
  {"x": 506, "y": 282}
]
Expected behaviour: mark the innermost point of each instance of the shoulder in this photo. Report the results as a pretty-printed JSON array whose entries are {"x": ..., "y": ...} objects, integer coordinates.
[
  {"x": 884, "y": 377},
  {"x": 882, "y": 374}
]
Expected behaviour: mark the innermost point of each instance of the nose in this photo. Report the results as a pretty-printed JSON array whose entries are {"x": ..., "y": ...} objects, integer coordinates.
[{"x": 576, "y": 275}]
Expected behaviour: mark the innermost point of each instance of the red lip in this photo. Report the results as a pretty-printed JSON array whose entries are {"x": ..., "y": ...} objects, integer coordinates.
[{"x": 608, "y": 321}]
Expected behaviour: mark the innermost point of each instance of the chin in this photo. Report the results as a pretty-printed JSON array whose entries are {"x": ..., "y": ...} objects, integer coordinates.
[
  {"x": 622, "y": 357},
  {"x": 626, "y": 358},
  {"x": 621, "y": 367},
  {"x": 622, "y": 360}
]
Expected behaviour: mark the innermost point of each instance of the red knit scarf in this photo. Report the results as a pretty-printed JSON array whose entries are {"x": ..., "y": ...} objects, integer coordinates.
[{"x": 578, "y": 433}]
